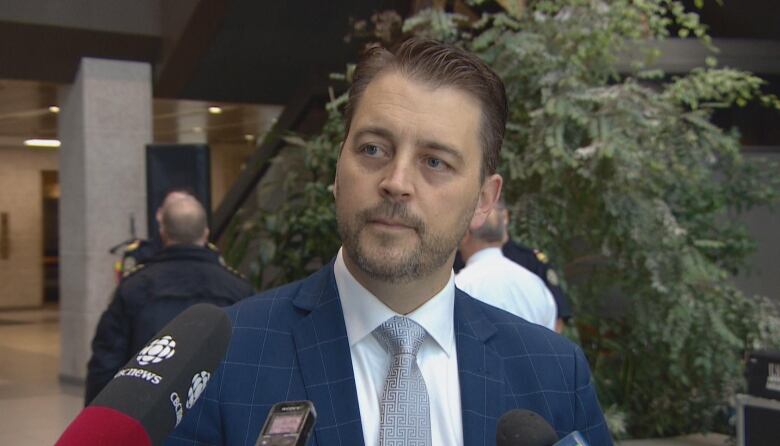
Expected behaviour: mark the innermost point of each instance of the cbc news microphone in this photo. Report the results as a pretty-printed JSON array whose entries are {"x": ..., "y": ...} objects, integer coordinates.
[
  {"x": 149, "y": 396},
  {"x": 521, "y": 427}
]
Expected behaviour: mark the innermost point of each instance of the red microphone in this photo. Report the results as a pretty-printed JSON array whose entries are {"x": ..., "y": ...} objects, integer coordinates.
[
  {"x": 148, "y": 398},
  {"x": 97, "y": 425}
]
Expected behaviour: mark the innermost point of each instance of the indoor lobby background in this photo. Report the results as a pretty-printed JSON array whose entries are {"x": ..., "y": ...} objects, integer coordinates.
[{"x": 106, "y": 78}]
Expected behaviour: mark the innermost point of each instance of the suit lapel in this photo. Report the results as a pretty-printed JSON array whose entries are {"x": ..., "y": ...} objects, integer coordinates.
[
  {"x": 325, "y": 361},
  {"x": 480, "y": 371}
]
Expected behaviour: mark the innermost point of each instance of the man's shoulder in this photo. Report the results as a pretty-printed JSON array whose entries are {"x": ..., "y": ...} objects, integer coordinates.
[
  {"x": 281, "y": 305},
  {"x": 266, "y": 300},
  {"x": 494, "y": 269},
  {"x": 533, "y": 259},
  {"x": 137, "y": 277},
  {"x": 225, "y": 273},
  {"x": 152, "y": 267},
  {"x": 514, "y": 248},
  {"x": 512, "y": 330}
]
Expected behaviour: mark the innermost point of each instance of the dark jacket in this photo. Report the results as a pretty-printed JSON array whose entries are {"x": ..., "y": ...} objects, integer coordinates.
[{"x": 149, "y": 297}]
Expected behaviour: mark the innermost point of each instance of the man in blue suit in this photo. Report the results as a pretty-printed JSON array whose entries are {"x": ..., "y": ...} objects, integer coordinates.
[{"x": 425, "y": 124}]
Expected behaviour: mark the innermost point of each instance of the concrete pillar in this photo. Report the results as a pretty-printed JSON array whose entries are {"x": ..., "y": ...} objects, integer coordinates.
[{"x": 104, "y": 125}]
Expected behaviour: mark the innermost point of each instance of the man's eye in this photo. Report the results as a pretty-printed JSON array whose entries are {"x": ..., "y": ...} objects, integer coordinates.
[
  {"x": 371, "y": 149},
  {"x": 435, "y": 163}
]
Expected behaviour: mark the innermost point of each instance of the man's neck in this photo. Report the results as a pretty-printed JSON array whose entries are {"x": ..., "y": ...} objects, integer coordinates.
[
  {"x": 403, "y": 297},
  {"x": 197, "y": 243},
  {"x": 468, "y": 250}
]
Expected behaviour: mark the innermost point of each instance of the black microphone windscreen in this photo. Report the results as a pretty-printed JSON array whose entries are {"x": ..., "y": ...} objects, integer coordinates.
[
  {"x": 521, "y": 427},
  {"x": 167, "y": 376}
]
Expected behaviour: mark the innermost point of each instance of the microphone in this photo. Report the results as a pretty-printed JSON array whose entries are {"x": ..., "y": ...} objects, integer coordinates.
[
  {"x": 522, "y": 427},
  {"x": 148, "y": 398}
]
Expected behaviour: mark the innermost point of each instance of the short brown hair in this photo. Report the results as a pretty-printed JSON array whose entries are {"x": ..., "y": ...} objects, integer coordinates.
[{"x": 440, "y": 64}]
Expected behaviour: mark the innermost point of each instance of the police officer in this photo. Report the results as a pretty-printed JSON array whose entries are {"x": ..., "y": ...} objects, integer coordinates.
[
  {"x": 183, "y": 273},
  {"x": 537, "y": 262}
]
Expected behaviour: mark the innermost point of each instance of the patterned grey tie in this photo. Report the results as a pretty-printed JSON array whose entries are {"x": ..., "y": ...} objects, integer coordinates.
[{"x": 404, "y": 408}]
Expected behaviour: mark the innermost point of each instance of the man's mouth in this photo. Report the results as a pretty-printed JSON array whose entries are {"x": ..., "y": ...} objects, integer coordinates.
[{"x": 389, "y": 223}]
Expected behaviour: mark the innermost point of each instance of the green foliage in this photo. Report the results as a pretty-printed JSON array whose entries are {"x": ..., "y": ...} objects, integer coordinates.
[
  {"x": 619, "y": 174},
  {"x": 294, "y": 238}
]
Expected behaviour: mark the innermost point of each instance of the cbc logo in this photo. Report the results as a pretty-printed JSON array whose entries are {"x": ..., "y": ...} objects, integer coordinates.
[
  {"x": 199, "y": 382},
  {"x": 177, "y": 407},
  {"x": 157, "y": 351}
]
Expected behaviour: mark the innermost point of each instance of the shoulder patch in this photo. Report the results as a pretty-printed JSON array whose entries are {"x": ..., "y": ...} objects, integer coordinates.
[
  {"x": 235, "y": 272},
  {"x": 133, "y": 270},
  {"x": 230, "y": 268},
  {"x": 542, "y": 257},
  {"x": 552, "y": 278}
]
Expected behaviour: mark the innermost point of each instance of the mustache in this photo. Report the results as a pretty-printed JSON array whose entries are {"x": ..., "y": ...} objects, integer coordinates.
[{"x": 398, "y": 212}]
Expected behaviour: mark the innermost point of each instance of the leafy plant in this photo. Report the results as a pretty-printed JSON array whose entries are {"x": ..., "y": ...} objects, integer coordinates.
[{"x": 617, "y": 171}]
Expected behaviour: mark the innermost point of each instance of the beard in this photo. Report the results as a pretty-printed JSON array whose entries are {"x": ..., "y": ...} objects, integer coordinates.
[{"x": 383, "y": 256}]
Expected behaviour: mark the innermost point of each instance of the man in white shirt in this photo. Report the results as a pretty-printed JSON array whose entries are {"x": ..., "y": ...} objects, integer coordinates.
[
  {"x": 380, "y": 340},
  {"x": 498, "y": 281}
]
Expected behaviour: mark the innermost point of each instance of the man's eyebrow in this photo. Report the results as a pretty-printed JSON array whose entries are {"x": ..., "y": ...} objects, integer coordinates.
[
  {"x": 374, "y": 130},
  {"x": 441, "y": 147}
]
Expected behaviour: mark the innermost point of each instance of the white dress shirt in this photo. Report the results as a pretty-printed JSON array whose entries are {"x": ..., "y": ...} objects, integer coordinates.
[
  {"x": 498, "y": 281},
  {"x": 437, "y": 357}
]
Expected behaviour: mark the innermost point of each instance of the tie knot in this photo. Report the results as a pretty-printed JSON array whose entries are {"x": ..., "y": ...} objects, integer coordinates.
[{"x": 400, "y": 335}]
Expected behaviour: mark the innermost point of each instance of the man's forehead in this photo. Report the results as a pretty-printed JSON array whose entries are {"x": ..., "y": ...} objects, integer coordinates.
[
  {"x": 395, "y": 96},
  {"x": 394, "y": 81}
]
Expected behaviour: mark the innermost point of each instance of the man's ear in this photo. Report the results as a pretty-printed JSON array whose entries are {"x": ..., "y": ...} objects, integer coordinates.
[{"x": 488, "y": 196}]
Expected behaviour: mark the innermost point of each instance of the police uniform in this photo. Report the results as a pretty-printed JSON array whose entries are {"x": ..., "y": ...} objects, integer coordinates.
[
  {"x": 139, "y": 252},
  {"x": 149, "y": 296},
  {"x": 537, "y": 262}
]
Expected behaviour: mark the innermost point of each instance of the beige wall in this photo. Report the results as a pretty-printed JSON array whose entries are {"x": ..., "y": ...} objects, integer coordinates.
[
  {"x": 226, "y": 163},
  {"x": 21, "y": 275}
]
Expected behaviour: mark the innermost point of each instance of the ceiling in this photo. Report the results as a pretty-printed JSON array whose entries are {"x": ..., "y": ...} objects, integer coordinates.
[
  {"x": 219, "y": 50},
  {"x": 264, "y": 51}
]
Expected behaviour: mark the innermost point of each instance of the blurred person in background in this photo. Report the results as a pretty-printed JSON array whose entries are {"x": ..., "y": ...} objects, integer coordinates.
[
  {"x": 537, "y": 262},
  {"x": 185, "y": 272},
  {"x": 494, "y": 279}
]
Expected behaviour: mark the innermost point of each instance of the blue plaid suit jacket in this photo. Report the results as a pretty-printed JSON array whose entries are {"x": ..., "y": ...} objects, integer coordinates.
[{"x": 291, "y": 344}]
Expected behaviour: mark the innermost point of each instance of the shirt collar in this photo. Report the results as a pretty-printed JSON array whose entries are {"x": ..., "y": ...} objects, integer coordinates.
[
  {"x": 364, "y": 312},
  {"x": 487, "y": 253}
]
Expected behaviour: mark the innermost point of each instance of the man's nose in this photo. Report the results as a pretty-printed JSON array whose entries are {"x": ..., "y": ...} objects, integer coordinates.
[{"x": 397, "y": 184}]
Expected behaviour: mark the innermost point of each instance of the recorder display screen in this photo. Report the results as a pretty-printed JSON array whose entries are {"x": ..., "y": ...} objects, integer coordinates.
[{"x": 285, "y": 423}]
